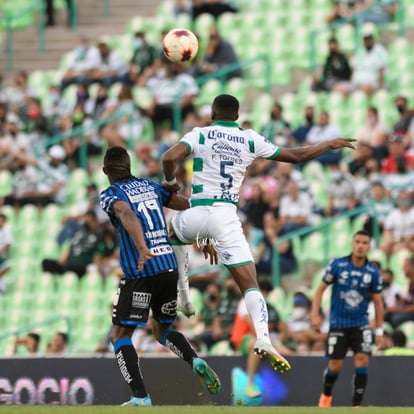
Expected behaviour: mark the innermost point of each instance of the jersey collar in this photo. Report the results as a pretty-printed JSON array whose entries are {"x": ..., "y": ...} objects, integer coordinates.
[{"x": 226, "y": 124}]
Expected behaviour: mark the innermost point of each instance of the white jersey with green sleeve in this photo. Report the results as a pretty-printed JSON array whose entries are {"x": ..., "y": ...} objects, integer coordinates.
[{"x": 221, "y": 154}]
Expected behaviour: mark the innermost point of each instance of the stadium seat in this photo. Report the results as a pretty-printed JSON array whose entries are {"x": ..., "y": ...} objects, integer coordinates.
[{"x": 408, "y": 329}]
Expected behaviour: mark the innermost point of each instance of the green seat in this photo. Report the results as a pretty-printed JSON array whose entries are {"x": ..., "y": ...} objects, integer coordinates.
[
  {"x": 221, "y": 348},
  {"x": 408, "y": 329}
]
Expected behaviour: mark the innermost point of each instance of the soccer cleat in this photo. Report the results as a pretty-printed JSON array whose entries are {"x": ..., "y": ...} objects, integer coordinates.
[
  {"x": 188, "y": 309},
  {"x": 325, "y": 401},
  {"x": 264, "y": 349},
  {"x": 138, "y": 401},
  {"x": 207, "y": 375},
  {"x": 252, "y": 392}
]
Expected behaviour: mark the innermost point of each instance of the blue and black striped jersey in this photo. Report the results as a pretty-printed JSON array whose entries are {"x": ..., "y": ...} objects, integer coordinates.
[
  {"x": 146, "y": 199},
  {"x": 351, "y": 286}
]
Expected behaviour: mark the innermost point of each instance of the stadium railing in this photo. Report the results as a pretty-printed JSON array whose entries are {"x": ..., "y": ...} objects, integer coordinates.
[
  {"x": 25, "y": 329},
  {"x": 221, "y": 75},
  {"x": 7, "y": 21},
  {"x": 355, "y": 19},
  {"x": 324, "y": 227}
]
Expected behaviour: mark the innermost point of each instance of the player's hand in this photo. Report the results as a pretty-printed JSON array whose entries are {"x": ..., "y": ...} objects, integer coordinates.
[
  {"x": 171, "y": 188},
  {"x": 379, "y": 340},
  {"x": 144, "y": 255},
  {"x": 339, "y": 143},
  {"x": 316, "y": 322},
  {"x": 209, "y": 250}
]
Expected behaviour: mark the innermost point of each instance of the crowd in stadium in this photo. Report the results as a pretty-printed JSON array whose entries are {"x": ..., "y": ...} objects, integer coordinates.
[{"x": 276, "y": 198}]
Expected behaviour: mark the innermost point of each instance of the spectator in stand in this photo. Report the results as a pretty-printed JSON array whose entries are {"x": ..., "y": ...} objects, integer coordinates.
[
  {"x": 369, "y": 67},
  {"x": 300, "y": 134},
  {"x": 6, "y": 242},
  {"x": 375, "y": 133},
  {"x": 398, "y": 345},
  {"x": 321, "y": 132},
  {"x": 20, "y": 93},
  {"x": 30, "y": 343},
  {"x": 398, "y": 231},
  {"x": 401, "y": 180},
  {"x": 378, "y": 15},
  {"x": 256, "y": 205},
  {"x": 81, "y": 62},
  {"x": 107, "y": 256},
  {"x": 143, "y": 57},
  {"x": 341, "y": 192},
  {"x": 58, "y": 344},
  {"x": 82, "y": 249},
  {"x": 111, "y": 68},
  {"x": 101, "y": 106},
  {"x": 336, "y": 69},
  {"x": 264, "y": 256},
  {"x": 277, "y": 129},
  {"x": 341, "y": 10},
  {"x": 401, "y": 127},
  {"x": 295, "y": 209},
  {"x": 404, "y": 309},
  {"x": 218, "y": 54},
  {"x": 213, "y": 7},
  {"x": 174, "y": 86},
  {"x": 381, "y": 209},
  {"x": 396, "y": 150},
  {"x": 123, "y": 130}
]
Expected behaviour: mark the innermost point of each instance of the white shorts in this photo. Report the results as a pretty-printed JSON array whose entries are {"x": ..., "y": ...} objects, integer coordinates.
[{"x": 221, "y": 225}]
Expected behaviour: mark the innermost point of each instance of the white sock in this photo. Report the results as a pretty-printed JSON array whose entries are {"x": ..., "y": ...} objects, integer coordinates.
[
  {"x": 181, "y": 253},
  {"x": 256, "y": 306}
]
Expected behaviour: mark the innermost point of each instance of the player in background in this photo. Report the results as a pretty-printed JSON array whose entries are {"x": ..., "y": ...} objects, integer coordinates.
[
  {"x": 354, "y": 281},
  {"x": 134, "y": 206},
  {"x": 221, "y": 154}
]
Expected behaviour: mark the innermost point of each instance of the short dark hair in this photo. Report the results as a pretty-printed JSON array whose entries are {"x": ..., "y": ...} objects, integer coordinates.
[
  {"x": 333, "y": 40},
  {"x": 398, "y": 338},
  {"x": 64, "y": 336},
  {"x": 226, "y": 105},
  {"x": 362, "y": 233},
  {"x": 34, "y": 336},
  {"x": 117, "y": 159}
]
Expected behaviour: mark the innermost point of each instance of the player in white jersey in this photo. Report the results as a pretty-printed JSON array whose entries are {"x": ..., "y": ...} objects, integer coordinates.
[{"x": 221, "y": 154}]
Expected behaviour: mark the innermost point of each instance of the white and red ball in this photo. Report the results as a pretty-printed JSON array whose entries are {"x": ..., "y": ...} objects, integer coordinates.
[{"x": 180, "y": 45}]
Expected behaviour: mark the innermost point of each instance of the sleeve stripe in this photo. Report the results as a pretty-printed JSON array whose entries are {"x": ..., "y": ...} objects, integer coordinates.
[
  {"x": 275, "y": 154},
  {"x": 190, "y": 150}
]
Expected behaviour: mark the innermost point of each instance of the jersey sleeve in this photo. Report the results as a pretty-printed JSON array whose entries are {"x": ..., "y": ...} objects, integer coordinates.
[
  {"x": 329, "y": 275},
  {"x": 165, "y": 194},
  {"x": 262, "y": 147},
  {"x": 108, "y": 197},
  {"x": 191, "y": 139},
  {"x": 376, "y": 285}
]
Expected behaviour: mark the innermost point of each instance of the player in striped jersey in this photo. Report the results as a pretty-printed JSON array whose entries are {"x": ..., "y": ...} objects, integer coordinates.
[
  {"x": 221, "y": 153},
  {"x": 134, "y": 206},
  {"x": 354, "y": 280}
]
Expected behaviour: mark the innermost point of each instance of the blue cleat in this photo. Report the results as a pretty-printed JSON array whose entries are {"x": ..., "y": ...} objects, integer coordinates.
[
  {"x": 207, "y": 375},
  {"x": 138, "y": 401}
]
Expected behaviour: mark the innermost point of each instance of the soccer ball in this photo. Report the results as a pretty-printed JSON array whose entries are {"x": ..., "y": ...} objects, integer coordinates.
[{"x": 180, "y": 45}]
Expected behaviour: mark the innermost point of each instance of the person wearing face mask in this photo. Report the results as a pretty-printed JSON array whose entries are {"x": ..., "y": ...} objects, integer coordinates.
[
  {"x": 401, "y": 180},
  {"x": 402, "y": 126},
  {"x": 369, "y": 66},
  {"x": 277, "y": 129},
  {"x": 374, "y": 133},
  {"x": 301, "y": 132},
  {"x": 396, "y": 151},
  {"x": 398, "y": 226},
  {"x": 82, "y": 60},
  {"x": 336, "y": 69}
]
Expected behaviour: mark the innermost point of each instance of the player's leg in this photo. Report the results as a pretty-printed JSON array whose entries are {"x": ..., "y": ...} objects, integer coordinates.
[
  {"x": 337, "y": 346},
  {"x": 164, "y": 309},
  {"x": 361, "y": 344},
  {"x": 253, "y": 362},
  {"x": 125, "y": 318}
]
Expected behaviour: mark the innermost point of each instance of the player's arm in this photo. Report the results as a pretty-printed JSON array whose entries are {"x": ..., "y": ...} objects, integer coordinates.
[
  {"x": 132, "y": 225},
  {"x": 316, "y": 305},
  {"x": 309, "y": 152},
  {"x": 169, "y": 163},
  {"x": 178, "y": 201},
  {"x": 379, "y": 316}
]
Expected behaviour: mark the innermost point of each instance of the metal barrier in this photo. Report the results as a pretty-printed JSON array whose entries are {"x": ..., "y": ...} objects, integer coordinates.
[
  {"x": 324, "y": 226},
  {"x": 355, "y": 19}
]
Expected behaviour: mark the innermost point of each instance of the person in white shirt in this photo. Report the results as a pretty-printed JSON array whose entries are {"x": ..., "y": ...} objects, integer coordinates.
[
  {"x": 221, "y": 153},
  {"x": 112, "y": 67},
  {"x": 6, "y": 241},
  {"x": 399, "y": 226},
  {"x": 321, "y": 132},
  {"x": 82, "y": 60}
]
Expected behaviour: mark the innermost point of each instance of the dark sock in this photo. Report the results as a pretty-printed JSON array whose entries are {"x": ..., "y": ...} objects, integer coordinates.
[
  {"x": 360, "y": 384},
  {"x": 329, "y": 379},
  {"x": 177, "y": 342},
  {"x": 128, "y": 362}
]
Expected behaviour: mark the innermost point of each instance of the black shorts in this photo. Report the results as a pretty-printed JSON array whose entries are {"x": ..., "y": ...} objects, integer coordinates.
[
  {"x": 135, "y": 297},
  {"x": 358, "y": 339}
]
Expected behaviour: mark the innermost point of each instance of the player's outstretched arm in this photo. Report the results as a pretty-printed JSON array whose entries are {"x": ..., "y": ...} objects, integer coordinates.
[
  {"x": 132, "y": 225},
  {"x": 169, "y": 163},
  {"x": 309, "y": 152},
  {"x": 178, "y": 202}
]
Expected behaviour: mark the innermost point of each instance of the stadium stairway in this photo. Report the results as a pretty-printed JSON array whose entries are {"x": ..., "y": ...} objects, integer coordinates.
[{"x": 60, "y": 39}]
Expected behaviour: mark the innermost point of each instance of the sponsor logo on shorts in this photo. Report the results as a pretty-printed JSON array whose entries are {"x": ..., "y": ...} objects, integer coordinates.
[
  {"x": 141, "y": 300},
  {"x": 169, "y": 308},
  {"x": 202, "y": 241}
]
